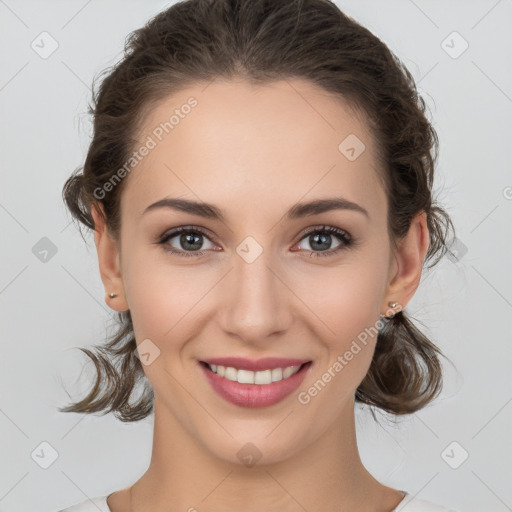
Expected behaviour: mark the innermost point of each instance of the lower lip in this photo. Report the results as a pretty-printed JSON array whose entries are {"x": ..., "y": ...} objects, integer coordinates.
[{"x": 255, "y": 395}]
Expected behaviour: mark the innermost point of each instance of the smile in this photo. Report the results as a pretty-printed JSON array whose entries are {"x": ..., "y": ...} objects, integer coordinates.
[{"x": 268, "y": 382}]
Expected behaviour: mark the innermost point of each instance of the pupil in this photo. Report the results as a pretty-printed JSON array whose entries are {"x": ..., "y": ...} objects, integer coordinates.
[
  {"x": 188, "y": 240},
  {"x": 321, "y": 238}
]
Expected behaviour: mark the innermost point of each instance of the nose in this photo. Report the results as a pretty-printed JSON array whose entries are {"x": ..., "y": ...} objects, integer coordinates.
[{"x": 256, "y": 301}]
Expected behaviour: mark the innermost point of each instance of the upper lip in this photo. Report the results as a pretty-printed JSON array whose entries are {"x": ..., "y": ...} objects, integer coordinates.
[{"x": 267, "y": 363}]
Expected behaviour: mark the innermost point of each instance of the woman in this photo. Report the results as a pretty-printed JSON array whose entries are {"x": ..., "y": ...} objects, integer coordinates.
[{"x": 259, "y": 184}]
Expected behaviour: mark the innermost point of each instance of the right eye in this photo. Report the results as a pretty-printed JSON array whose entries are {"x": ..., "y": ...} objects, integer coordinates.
[{"x": 191, "y": 239}]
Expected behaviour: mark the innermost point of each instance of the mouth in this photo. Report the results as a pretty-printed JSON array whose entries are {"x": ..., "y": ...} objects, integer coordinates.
[{"x": 263, "y": 387}]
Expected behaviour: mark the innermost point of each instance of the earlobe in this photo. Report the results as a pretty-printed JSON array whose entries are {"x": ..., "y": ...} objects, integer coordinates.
[
  {"x": 108, "y": 261},
  {"x": 409, "y": 259}
]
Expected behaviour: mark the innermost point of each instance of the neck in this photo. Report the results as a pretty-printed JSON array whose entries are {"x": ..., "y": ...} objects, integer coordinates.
[{"x": 326, "y": 474}]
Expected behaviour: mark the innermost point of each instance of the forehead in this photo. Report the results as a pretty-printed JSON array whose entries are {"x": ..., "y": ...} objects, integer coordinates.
[{"x": 252, "y": 147}]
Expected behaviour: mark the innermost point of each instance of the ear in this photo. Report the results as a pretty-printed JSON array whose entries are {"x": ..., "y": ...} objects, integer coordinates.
[
  {"x": 408, "y": 264},
  {"x": 108, "y": 260}
]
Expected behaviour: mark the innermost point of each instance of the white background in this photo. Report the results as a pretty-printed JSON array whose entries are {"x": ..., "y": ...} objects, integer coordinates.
[{"x": 49, "y": 308}]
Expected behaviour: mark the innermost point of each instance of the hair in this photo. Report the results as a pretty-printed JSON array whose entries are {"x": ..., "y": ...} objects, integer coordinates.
[{"x": 262, "y": 41}]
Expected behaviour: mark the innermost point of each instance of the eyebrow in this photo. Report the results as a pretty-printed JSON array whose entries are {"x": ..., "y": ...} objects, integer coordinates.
[{"x": 300, "y": 210}]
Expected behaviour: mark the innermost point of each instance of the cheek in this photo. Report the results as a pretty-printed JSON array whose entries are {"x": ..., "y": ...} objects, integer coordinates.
[
  {"x": 164, "y": 303},
  {"x": 164, "y": 298},
  {"x": 347, "y": 296},
  {"x": 347, "y": 300}
]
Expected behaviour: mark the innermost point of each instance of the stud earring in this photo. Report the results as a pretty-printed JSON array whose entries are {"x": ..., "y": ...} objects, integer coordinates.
[
  {"x": 392, "y": 305},
  {"x": 112, "y": 295}
]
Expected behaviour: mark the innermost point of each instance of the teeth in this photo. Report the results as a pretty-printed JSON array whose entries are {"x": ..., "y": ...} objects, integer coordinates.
[
  {"x": 277, "y": 374},
  {"x": 288, "y": 371},
  {"x": 249, "y": 377},
  {"x": 263, "y": 377}
]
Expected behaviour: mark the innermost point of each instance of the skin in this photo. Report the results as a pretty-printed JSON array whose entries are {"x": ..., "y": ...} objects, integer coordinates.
[{"x": 255, "y": 151}]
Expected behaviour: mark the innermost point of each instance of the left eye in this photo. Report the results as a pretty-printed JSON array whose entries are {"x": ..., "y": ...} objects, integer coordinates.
[{"x": 321, "y": 237}]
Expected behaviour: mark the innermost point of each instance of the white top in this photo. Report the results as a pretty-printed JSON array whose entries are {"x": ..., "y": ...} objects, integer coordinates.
[{"x": 408, "y": 504}]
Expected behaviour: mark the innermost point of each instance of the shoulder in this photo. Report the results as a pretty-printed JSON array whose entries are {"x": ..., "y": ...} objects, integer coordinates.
[
  {"x": 98, "y": 504},
  {"x": 411, "y": 504}
]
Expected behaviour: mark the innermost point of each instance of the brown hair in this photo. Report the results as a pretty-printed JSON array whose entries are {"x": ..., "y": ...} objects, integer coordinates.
[{"x": 262, "y": 41}]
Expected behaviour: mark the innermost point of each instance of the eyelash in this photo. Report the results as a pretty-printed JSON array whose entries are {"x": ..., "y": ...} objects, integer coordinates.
[{"x": 344, "y": 237}]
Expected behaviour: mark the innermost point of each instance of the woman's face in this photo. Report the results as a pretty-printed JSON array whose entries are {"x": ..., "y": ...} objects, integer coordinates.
[{"x": 259, "y": 279}]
